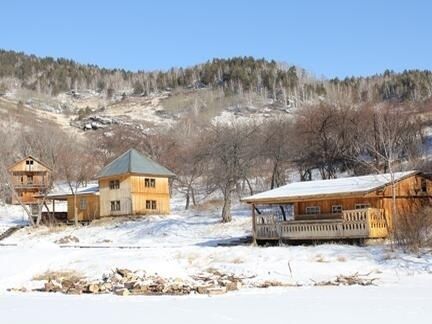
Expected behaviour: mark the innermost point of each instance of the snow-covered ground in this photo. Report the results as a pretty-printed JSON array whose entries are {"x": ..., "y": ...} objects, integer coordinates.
[
  {"x": 186, "y": 243},
  {"x": 408, "y": 302}
]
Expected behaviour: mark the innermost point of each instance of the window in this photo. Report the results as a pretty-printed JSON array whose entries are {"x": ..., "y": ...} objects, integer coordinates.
[
  {"x": 114, "y": 184},
  {"x": 423, "y": 185},
  {"x": 150, "y": 204},
  {"x": 83, "y": 203},
  {"x": 362, "y": 206},
  {"x": 29, "y": 179},
  {"x": 29, "y": 162},
  {"x": 149, "y": 183},
  {"x": 313, "y": 210},
  {"x": 115, "y": 205},
  {"x": 336, "y": 209}
]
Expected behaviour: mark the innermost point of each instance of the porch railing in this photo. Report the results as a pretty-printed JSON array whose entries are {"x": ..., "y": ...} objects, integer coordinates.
[{"x": 352, "y": 224}]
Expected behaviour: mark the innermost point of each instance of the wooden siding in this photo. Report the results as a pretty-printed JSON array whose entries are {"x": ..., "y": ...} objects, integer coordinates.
[
  {"x": 29, "y": 179},
  {"x": 410, "y": 196},
  {"x": 22, "y": 166},
  {"x": 133, "y": 195},
  {"x": 91, "y": 211},
  {"x": 123, "y": 194},
  {"x": 326, "y": 205}
]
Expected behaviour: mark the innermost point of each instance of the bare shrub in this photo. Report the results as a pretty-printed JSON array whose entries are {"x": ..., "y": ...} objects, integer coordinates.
[{"x": 413, "y": 230}]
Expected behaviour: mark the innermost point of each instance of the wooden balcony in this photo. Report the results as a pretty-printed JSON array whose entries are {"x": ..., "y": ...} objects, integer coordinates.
[
  {"x": 350, "y": 224},
  {"x": 34, "y": 185}
]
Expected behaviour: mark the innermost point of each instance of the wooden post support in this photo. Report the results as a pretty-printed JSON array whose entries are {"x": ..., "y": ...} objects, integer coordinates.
[{"x": 253, "y": 225}]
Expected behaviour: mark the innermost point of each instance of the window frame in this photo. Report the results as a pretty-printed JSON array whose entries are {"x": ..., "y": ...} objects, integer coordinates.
[
  {"x": 339, "y": 206},
  {"x": 149, "y": 182},
  {"x": 115, "y": 205},
  {"x": 362, "y": 206},
  {"x": 114, "y": 184},
  {"x": 151, "y": 204},
  {"x": 317, "y": 208},
  {"x": 83, "y": 204}
]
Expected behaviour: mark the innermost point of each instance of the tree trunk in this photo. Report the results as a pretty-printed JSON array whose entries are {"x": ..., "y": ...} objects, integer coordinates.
[
  {"x": 226, "y": 209},
  {"x": 187, "y": 199},
  {"x": 193, "y": 195},
  {"x": 75, "y": 211}
]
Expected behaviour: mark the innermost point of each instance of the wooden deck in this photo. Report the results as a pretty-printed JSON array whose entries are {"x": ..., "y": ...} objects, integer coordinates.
[{"x": 350, "y": 224}]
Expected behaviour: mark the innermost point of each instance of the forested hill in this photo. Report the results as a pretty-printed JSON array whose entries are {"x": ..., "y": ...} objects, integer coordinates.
[{"x": 287, "y": 84}]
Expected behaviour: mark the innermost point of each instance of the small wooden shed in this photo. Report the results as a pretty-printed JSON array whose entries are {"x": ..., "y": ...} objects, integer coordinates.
[
  {"x": 85, "y": 202},
  {"x": 344, "y": 208}
]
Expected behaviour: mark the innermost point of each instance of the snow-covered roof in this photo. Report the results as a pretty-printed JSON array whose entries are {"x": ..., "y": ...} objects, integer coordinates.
[
  {"x": 344, "y": 186},
  {"x": 89, "y": 189}
]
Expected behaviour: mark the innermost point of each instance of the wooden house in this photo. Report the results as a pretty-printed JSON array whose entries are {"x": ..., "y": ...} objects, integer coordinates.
[
  {"x": 30, "y": 178},
  {"x": 132, "y": 184},
  {"x": 345, "y": 208}
]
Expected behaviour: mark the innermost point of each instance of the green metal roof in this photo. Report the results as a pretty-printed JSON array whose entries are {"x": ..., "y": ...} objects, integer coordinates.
[{"x": 134, "y": 162}]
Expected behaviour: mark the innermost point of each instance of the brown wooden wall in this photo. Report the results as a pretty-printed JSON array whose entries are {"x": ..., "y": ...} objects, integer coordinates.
[
  {"x": 21, "y": 176},
  {"x": 409, "y": 197},
  {"x": 89, "y": 213},
  {"x": 22, "y": 166},
  {"x": 326, "y": 205}
]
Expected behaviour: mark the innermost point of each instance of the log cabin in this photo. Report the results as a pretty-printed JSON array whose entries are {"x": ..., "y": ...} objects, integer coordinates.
[
  {"x": 132, "y": 184},
  {"x": 355, "y": 208},
  {"x": 30, "y": 178}
]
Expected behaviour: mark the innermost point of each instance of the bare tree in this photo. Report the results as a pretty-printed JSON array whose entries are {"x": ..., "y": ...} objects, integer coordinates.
[
  {"x": 186, "y": 152},
  {"x": 322, "y": 138},
  {"x": 76, "y": 167},
  {"x": 230, "y": 153},
  {"x": 388, "y": 137},
  {"x": 276, "y": 147}
]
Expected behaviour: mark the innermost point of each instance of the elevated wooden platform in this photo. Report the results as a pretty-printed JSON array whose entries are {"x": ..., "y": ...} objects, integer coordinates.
[{"x": 365, "y": 223}]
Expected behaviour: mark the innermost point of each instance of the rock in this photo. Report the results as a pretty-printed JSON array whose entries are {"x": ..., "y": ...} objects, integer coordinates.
[
  {"x": 122, "y": 292},
  {"x": 233, "y": 285},
  {"x": 93, "y": 288},
  {"x": 216, "y": 291},
  {"x": 203, "y": 289},
  {"x": 107, "y": 286},
  {"x": 67, "y": 239},
  {"x": 52, "y": 286},
  {"x": 124, "y": 272}
]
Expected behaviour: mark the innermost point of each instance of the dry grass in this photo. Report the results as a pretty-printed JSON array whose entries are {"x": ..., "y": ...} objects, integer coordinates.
[
  {"x": 209, "y": 205},
  {"x": 319, "y": 258},
  {"x": 59, "y": 275},
  {"x": 341, "y": 258},
  {"x": 237, "y": 260}
]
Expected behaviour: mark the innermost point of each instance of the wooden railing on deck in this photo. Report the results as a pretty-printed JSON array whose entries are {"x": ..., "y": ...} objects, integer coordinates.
[{"x": 353, "y": 224}]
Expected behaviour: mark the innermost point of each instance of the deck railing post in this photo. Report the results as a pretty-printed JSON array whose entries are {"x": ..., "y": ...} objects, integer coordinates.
[{"x": 254, "y": 227}]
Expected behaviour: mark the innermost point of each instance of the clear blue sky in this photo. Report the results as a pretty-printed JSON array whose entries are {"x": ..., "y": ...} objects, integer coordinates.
[{"x": 330, "y": 38}]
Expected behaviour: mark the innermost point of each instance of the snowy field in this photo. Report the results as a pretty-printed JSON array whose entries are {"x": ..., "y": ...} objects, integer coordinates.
[{"x": 186, "y": 243}]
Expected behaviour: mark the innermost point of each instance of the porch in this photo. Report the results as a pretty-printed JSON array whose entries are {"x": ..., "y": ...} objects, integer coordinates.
[{"x": 349, "y": 224}]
